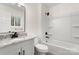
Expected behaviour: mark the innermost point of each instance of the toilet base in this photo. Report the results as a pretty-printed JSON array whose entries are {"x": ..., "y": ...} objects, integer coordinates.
[{"x": 36, "y": 52}]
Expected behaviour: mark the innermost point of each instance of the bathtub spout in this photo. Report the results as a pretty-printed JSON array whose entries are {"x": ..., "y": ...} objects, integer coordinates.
[{"x": 47, "y": 37}]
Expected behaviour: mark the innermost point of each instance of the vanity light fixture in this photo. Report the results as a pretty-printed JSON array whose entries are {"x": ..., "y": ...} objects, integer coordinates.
[{"x": 20, "y": 4}]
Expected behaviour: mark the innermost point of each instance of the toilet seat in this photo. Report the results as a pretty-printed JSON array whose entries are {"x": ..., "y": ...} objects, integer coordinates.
[{"x": 41, "y": 47}]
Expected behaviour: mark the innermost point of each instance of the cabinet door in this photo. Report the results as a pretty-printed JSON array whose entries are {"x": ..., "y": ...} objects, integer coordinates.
[
  {"x": 10, "y": 50},
  {"x": 27, "y": 47}
]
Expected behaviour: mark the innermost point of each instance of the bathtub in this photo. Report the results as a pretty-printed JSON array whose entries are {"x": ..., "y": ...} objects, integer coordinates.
[{"x": 61, "y": 48}]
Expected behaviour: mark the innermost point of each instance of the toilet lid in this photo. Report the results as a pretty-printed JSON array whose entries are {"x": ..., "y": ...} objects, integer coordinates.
[{"x": 42, "y": 47}]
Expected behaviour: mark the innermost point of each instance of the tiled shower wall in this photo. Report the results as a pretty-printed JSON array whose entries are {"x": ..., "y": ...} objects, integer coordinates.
[{"x": 64, "y": 22}]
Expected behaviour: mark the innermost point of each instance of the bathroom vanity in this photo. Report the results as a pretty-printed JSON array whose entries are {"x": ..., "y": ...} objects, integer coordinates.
[
  {"x": 13, "y": 20},
  {"x": 17, "y": 46}
]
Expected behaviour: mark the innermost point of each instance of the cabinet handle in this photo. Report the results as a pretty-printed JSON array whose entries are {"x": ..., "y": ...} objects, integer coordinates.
[
  {"x": 19, "y": 53},
  {"x": 23, "y": 52}
]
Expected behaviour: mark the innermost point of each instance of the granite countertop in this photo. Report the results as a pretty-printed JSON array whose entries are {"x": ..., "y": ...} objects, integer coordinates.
[{"x": 9, "y": 41}]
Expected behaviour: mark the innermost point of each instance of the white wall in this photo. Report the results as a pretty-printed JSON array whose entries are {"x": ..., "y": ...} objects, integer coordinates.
[
  {"x": 65, "y": 9},
  {"x": 63, "y": 16},
  {"x": 44, "y": 18},
  {"x": 33, "y": 18}
]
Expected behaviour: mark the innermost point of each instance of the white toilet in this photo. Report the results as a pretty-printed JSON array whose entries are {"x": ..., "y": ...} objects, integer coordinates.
[{"x": 41, "y": 49}]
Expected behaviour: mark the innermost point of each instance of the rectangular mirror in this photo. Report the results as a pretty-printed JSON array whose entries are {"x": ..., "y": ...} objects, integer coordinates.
[{"x": 11, "y": 17}]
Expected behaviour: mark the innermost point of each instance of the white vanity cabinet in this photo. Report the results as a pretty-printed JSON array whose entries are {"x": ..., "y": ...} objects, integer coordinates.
[
  {"x": 27, "y": 47},
  {"x": 24, "y": 47}
]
